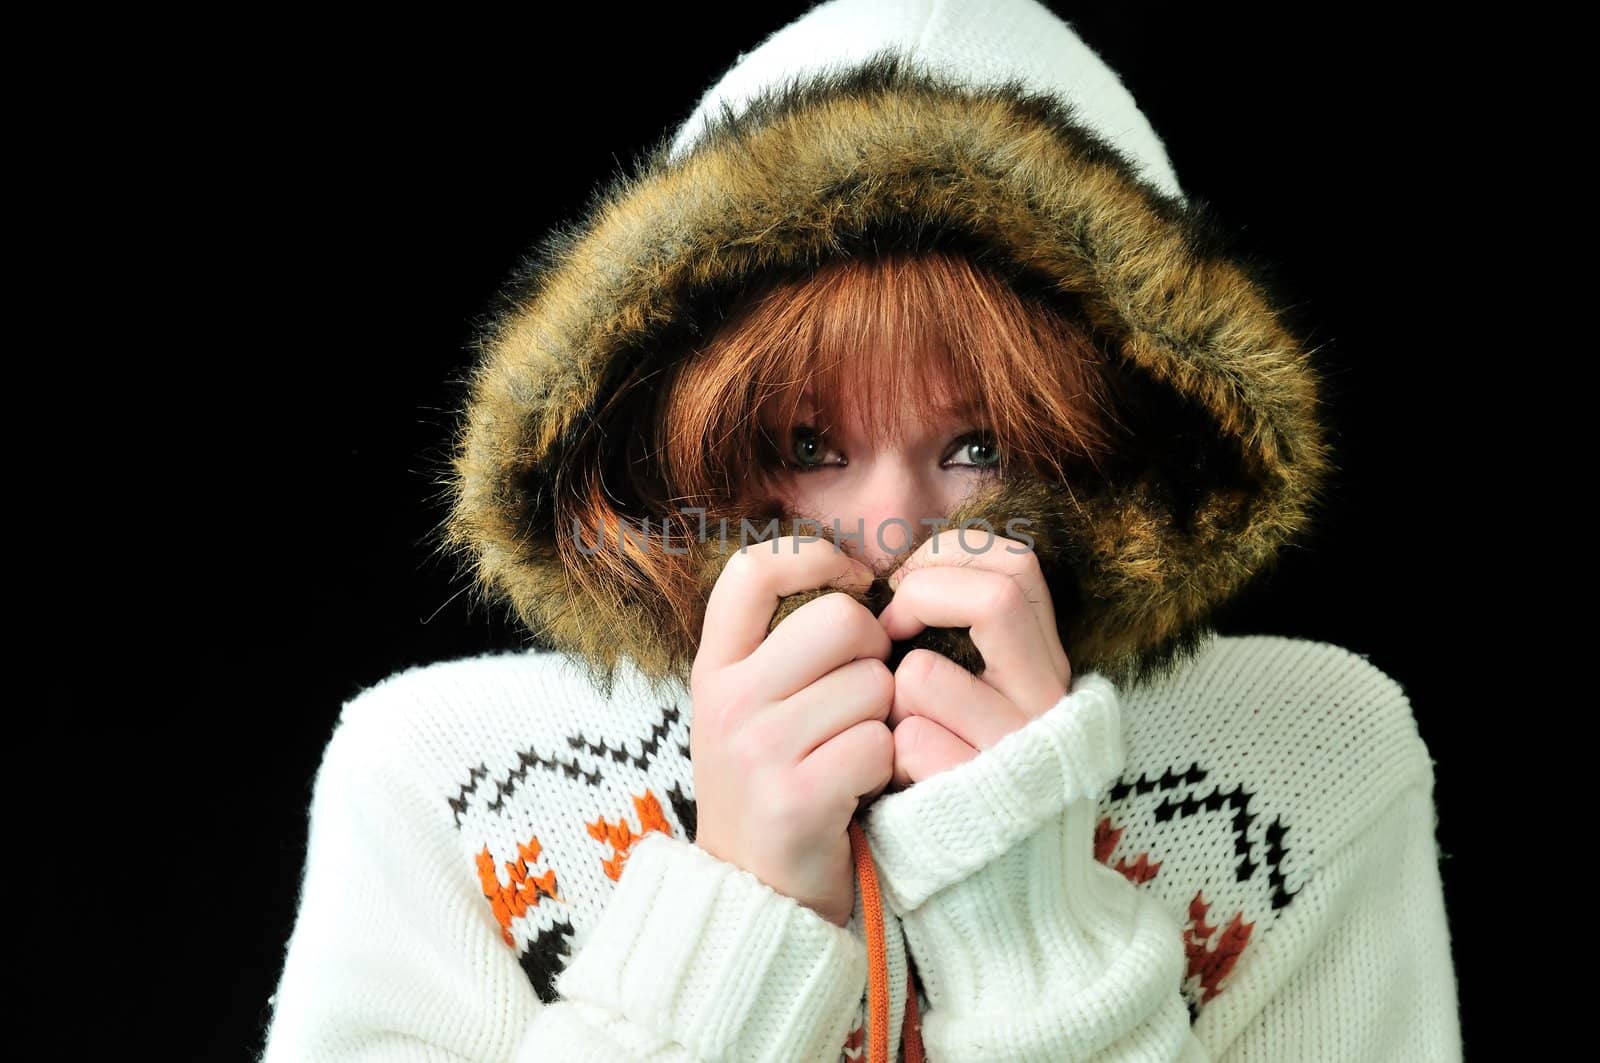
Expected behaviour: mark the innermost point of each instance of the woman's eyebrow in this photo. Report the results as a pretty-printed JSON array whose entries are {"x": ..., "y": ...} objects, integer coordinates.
[{"x": 964, "y": 409}]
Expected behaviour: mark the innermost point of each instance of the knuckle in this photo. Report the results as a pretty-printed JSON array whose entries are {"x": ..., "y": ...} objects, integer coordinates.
[
  {"x": 1029, "y": 560},
  {"x": 1004, "y": 596},
  {"x": 793, "y": 547},
  {"x": 808, "y": 545},
  {"x": 859, "y": 613},
  {"x": 739, "y": 567},
  {"x": 859, "y": 624},
  {"x": 861, "y": 616},
  {"x": 839, "y": 608}
]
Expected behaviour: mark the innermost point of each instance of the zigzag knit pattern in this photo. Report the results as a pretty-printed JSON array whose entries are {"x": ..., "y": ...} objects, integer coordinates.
[
  {"x": 1262, "y": 763},
  {"x": 1213, "y": 949}
]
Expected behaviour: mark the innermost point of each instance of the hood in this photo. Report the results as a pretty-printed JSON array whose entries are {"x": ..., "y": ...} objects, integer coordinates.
[{"x": 866, "y": 126}]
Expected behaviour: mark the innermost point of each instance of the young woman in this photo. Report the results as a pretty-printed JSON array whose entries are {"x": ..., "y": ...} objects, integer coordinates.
[{"x": 866, "y": 467}]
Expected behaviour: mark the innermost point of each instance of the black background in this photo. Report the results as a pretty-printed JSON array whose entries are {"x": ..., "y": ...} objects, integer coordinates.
[{"x": 355, "y": 193}]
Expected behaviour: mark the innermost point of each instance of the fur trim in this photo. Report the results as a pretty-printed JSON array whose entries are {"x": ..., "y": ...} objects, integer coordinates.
[{"x": 884, "y": 155}]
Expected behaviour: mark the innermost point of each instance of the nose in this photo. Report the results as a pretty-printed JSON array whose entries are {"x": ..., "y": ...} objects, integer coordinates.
[{"x": 895, "y": 506}]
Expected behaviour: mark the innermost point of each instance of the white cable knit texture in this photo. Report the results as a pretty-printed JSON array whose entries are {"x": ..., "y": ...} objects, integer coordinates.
[
  {"x": 930, "y": 835},
  {"x": 1236, "y": 863}
]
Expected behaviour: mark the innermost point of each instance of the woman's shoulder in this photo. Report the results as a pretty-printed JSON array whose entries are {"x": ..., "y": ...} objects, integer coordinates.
[
  {"x": 1248, "y": 768},
  {"x": 525, "y": 677},
  {"x": 456, "y": 706},
  {"x": 488, "y": 728},
  {"x": 1285, "y": 706},
  {"x": 1312, "y": 721},
  {"x": 533, "y": 780}
]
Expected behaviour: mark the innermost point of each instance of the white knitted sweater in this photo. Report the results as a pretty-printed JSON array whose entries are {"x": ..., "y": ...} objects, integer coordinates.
[{"x": 1235, "y": 863}]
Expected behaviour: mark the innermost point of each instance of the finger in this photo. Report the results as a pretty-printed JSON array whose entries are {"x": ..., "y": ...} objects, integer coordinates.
[
  {"x": 977, "y": 548},
  {"x": 753, "y": 580},
  {"x": 860, "y": 758},
  {"x": 820, "y": 636},
  {"x": 922, "y": 749},
  {"x": 972, "y": 546},
  {"x": 934, "y": 687},
  {"x": 861, "y": 690},
  {"x": 1017, "y": 653}
]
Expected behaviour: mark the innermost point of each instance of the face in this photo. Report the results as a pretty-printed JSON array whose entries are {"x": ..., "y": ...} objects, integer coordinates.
[{"x": 891, "y": 491}]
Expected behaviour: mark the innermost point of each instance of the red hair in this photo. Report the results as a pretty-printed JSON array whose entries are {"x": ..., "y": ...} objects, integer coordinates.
[{"x": 855, "y": 331}]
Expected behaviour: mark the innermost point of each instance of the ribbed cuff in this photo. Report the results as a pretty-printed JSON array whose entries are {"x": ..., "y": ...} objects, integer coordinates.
[
  {"x": 703, "y": 953},
  {"x": 935, "y": 833},
  {"x": 1046, "y": 954}
]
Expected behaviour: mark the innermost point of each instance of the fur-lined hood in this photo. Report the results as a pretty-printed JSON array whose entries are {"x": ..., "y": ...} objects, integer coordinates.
[{"x": 779, "y": 171}]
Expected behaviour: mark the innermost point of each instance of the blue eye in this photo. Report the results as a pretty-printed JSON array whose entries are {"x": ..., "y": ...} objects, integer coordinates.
[
  {"x": 805, "y": 448},
  {"x": 806, "y": 451},
  {"x": 981, "y": 448}
]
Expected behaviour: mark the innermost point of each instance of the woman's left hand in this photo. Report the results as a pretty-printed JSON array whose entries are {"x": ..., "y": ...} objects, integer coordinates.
[{"x": 944, "y": 715}]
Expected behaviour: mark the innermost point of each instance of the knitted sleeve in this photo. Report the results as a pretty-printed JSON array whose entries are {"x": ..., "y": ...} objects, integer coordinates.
[
  {"x": 1030, "y": 948},
  {"x": 394, "y": 956},
  {"x": 1368, "y": 971}
]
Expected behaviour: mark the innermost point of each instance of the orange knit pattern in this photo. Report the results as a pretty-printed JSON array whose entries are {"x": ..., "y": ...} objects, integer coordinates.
[
  {"x": 621, "y": 836},
  {"x": 1209, "y": 960},
  {"x": 510, "y": 901},
  {"x": 1212, "y": 960}
]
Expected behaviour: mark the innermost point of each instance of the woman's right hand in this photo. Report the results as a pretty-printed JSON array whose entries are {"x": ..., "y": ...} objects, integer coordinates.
[{"x": 789, "y": 731}]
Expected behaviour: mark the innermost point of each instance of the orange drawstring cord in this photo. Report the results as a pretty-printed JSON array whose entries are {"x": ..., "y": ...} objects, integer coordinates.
[{"x": 878, "y": 966}]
